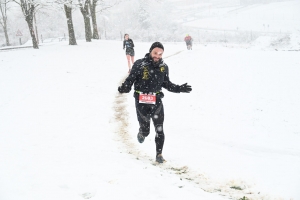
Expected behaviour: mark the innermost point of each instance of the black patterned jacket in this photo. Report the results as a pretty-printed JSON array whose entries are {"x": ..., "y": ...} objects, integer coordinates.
[{"x": 148, "y": 76}]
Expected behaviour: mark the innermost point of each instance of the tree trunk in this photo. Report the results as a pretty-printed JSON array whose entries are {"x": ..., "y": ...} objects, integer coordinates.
[
  {"x": 94, "y": 22},
  {"x": 5, "y": 33},
  {"x": 87, "y": 23},
  {"x": 29, "y": 20},
  {"x": 28, "y": 11},
  {"x": 3, "y": 11},
  {"x": 36, "y": 31},
  {"x": 72, "y": 39}
]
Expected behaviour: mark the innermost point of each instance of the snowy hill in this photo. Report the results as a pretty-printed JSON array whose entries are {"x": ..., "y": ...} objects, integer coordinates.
[
  {"x": 279, "y": 16},
  {"x": 267, "y": 25},
  {"x": 66, "y": 133}
]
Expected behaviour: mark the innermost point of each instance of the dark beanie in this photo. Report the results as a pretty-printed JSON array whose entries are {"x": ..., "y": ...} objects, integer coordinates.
[{"x": 156, "y": 44}]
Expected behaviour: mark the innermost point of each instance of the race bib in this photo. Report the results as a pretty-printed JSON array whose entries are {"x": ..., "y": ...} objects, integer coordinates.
[{"x": 147, "y": 98}]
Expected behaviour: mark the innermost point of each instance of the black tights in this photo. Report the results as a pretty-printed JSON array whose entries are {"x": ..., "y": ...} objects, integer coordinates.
[{"x": 156, "y": 113}]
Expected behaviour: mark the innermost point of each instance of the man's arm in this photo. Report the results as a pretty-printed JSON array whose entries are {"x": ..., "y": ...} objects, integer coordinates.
[
  {"x": 126, "y": 86},
  {"x": 167, "y": 84}
]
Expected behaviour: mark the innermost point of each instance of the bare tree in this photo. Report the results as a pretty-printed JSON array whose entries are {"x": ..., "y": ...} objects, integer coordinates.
[
  {"x": 103, "y": 6},
  {"x": 94, "y": 21},
  {"x": 3, "y": 19},
  {"x": 68, "y": 10},
  {"x": 68, "y": 7},
  {"x": 84, "y": 8},
  {"x": 28, "y": 8}
]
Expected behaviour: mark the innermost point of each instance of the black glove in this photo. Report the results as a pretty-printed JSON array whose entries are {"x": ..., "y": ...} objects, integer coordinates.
[
  {"x": 185, "y": 88},
  {"x": 124, "y": 89}
]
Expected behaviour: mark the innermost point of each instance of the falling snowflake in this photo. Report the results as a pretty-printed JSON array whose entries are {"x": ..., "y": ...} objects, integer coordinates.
[{"x": 159, "y": 128}]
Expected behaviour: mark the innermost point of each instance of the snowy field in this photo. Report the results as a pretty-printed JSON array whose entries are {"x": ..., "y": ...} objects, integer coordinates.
[
  {"x": 66, "y": 133},
  {"x": 264, "y": 17}
]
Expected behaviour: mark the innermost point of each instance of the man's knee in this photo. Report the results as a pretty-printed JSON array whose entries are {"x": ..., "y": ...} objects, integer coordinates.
[
  {"x": 144, "y": 130},
  {"x": 160, "y": 136},
  {"x": 159, "y": 129}
]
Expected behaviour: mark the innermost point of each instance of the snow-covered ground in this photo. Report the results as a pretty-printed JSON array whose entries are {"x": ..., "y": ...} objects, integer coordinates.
[
  {"x": 264, "y": 25},
  {"x": 264, "y": 17},
  {"x": 66, "y": 133}
]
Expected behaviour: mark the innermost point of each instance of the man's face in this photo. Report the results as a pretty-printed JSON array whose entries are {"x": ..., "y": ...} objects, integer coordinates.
[{"x": 156, "y": 54}]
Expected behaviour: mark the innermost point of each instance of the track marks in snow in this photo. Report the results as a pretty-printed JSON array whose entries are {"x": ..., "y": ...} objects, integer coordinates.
[
  {"x": 173, "y": 54},
  {"x": 233, "y": 189}
]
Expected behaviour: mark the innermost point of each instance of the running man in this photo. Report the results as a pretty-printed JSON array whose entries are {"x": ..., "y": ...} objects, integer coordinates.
[{"x": 149, "y": 75}]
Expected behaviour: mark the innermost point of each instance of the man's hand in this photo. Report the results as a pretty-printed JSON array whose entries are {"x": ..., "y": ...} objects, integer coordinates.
[
  {"x": 185, "y": 88},
  {"x": 124, "y": 89}
]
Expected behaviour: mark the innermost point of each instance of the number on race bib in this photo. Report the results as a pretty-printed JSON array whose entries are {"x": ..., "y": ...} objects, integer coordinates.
[{"x": 147, "y": 98}]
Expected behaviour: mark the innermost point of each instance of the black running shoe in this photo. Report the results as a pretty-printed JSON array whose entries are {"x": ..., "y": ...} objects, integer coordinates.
[
  {"x": 140, "y": 138},
  {"x": 160, "y": 159}
]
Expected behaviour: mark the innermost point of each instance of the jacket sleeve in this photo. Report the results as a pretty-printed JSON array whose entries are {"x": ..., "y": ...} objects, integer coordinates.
[
  {"x": 124, "y": 44},
  {"x": 132, "y": 44},
  {"x": 167, "y": 84},
  {"x": 129, "y": 81}
]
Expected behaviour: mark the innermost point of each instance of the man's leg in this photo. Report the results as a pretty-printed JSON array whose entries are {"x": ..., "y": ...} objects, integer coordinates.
[
  {"x": 144, "y": 120},
  {"x": 158, "y": 120}
]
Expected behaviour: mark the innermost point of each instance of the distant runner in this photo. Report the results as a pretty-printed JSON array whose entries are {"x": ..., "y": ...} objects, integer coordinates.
[
  {"x": 149, "y": 75},
  {"x": 128, "y": 44},
  {"x": 188, "y": 40}
]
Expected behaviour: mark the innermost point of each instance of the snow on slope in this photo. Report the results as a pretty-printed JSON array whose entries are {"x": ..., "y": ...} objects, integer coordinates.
[
  {"x": 57, "y": 137},
  {"x": 60, "y": 134},
  {"x": 273, "y": 17}
]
